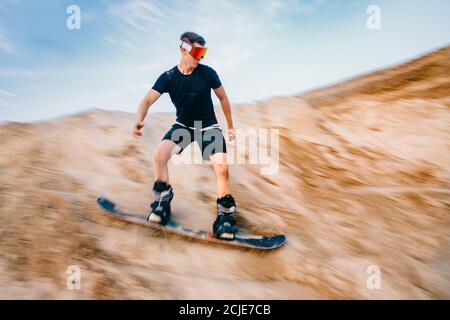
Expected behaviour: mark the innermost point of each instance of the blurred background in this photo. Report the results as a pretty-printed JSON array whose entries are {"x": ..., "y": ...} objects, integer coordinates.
[{"x": 360, "y": 94}]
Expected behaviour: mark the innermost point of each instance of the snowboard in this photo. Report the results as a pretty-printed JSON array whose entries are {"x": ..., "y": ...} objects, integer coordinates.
[{"x": 243, "y": 241}]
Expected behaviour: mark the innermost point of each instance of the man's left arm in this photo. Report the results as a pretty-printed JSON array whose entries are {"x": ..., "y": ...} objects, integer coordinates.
[{"x": 226, "y": 107}]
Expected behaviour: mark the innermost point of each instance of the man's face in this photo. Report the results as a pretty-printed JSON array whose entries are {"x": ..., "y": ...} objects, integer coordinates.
[{"x": 188, "y": 59}]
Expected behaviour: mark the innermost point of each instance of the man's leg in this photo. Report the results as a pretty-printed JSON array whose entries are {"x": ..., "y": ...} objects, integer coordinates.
[
  {"x": 173, "y": 142},
  {"x": 164, "y": 151},
  {"x": 213, "y": 147},
  {"x": 224, "y": 226},
  {"x": 219, "y": 161},
  {"x": 162, "y": 191}
]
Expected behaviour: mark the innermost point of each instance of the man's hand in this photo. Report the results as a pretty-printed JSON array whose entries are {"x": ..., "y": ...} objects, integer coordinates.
[
  {"x": 231, "y": 133},
  {"x": 136, "y": 129}
]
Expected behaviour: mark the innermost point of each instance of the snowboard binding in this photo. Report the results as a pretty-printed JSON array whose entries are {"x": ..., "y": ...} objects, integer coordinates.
[
  {"x": 224, "y": 227},
  {"x": 160, "y": 207}
]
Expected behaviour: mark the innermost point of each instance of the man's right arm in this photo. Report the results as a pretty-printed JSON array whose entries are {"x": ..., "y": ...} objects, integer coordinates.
[
  {"x": 145, "y": 104},
  {"x": 149, "y": 99}
]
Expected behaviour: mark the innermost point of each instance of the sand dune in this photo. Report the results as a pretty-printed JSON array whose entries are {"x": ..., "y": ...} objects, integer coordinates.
[{"x": 363, "y": 179}]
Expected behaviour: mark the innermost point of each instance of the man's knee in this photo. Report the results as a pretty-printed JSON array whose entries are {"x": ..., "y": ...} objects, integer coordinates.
[
  {"x": 222, "y": 169},
  {"x": 161, "y": 157}
]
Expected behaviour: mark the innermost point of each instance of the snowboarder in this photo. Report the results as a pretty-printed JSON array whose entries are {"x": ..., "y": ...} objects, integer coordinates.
[{"x": 189, "y": 86}]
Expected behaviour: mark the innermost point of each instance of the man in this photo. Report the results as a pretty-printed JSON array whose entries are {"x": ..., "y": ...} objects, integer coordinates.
[{"x": 189, "y": 85}]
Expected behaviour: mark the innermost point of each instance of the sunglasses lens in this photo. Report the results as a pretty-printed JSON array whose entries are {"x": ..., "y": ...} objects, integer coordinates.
[{"x": 198, "y": 52}]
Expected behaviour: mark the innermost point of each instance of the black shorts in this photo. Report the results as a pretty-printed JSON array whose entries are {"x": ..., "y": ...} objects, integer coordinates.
[{"x": 209, "y": 141}]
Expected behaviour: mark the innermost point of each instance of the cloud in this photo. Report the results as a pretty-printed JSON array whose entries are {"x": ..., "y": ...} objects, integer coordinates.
[
  {"x": 296, "y": 7},
  {"x": 234, "y": 31},
  {"x": 8, "y": 8},
  {"x": 139, "y": 21},
  {"x": 138, "y": 14},
  {"x": 5, "y": 93},
  {"x": 134, "y": 20},
  {"x": 7, "y": 105},
  {"x": 123, "y": 43},
  {"x": 6, "y": 44},
  {"x": 24, "y": 73}
]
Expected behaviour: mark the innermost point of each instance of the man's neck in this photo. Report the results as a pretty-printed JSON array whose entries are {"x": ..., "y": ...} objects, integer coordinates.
[{"x": 184, "y": 69}]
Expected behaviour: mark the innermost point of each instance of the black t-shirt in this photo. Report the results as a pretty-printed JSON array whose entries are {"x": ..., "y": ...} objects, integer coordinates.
[{"x": 191, "y": 94}]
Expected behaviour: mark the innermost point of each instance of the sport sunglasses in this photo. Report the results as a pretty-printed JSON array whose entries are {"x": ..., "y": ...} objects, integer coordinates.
[{"x": 196, "y": 52}]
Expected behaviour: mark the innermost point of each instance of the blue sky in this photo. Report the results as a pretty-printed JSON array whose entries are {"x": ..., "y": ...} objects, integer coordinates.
[{"x": 259, "y": 48}]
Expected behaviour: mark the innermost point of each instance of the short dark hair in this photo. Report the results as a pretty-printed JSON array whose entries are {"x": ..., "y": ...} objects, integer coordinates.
[{"x": 192, "y": 37}]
